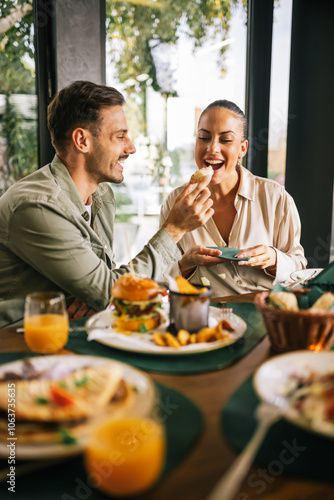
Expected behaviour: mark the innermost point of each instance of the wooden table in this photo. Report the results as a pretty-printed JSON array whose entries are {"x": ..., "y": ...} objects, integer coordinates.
[{"x": 198, "y": 473}]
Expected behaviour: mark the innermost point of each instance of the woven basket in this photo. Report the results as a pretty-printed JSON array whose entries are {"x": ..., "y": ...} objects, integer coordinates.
[{"x": 293, "y": 330}]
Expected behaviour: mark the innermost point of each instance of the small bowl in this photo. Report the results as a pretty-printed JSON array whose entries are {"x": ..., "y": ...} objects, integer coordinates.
[
  {"x": 294, "y": 330},
  {"x": 189, "y": 311}
]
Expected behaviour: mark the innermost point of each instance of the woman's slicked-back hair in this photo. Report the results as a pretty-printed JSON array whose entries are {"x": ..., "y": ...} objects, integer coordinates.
[
  {"x": 231, "y": 106},
  {"x": 79, "y": 105}
]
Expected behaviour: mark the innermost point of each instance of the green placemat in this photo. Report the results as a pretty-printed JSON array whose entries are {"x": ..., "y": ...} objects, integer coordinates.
[
  {"x": 68, "y": 480},
  {"x": 286, "y": 449},
  {"x": 180, "y": 363}
]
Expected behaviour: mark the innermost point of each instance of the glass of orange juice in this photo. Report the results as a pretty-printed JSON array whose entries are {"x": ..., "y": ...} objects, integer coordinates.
[
  {"x": 125, "y": 456},
  {"x": 46, "y": 323}
]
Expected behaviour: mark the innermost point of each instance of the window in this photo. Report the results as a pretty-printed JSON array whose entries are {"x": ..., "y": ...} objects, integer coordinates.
[
  {"x": 18, "y": 102},
  {"x": 279, "y": 90},
  {"x": 170, "y": 62}
]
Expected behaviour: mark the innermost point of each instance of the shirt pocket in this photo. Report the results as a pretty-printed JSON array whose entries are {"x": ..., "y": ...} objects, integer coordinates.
[{"x": 102, "y": 252}]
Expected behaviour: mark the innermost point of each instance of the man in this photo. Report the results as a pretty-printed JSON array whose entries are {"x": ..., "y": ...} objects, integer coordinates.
[{"x": 57, "y": 224}]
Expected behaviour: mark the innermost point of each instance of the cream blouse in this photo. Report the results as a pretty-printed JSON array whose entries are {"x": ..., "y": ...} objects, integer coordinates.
[{"x": 266, "y": 215}]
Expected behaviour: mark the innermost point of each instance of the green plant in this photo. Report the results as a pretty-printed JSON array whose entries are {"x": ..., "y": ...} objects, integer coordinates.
[
  {"x": 17, "y": 76},
  {"x": 21, "y": 142},
  {"x": 137, "y": 27}
]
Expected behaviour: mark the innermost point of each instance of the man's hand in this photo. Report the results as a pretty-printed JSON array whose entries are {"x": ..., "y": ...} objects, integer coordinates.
[
  {"x": 192, "y": 208},
  {"x": 198, "y": 255},
  {"x": 262, "y": 256},
  {"x": 78, "y": 310}
]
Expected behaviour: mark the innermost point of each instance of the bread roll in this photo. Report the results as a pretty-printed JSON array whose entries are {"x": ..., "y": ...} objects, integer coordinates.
[
  {"x": 199, "y": 175},
  {"x": 284, "y": 300},
  {"x": 324, "y": 303}
]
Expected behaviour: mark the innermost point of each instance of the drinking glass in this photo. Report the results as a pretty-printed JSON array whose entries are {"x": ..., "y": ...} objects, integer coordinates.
[
  {"x": 125, "y": 456},
  {"x": 46, "y": 323}
]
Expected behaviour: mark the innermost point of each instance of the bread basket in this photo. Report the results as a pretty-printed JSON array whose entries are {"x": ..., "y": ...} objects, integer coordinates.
[{"x": 293, "y": 330}]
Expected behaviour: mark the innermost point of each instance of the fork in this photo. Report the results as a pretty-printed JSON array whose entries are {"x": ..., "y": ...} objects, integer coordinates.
[{"x": 228, "y": 486}]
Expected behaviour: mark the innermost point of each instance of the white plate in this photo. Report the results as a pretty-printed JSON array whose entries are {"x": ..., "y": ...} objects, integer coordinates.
[
  {"x": 143, "y": 404},
  {"x": 142, "y": 342},
  {"x": 271, "y": 379},
  {"x": 305, "y": 274}
]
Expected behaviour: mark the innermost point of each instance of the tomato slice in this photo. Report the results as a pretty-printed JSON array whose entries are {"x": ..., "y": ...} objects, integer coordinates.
[{"x": 60, "y": 396}]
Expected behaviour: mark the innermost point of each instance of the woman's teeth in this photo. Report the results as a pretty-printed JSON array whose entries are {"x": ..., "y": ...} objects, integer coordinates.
[{"x": 215, "y": 164}]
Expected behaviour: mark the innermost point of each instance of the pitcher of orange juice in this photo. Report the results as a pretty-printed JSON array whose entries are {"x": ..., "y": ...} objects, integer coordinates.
[
  {"x": 125, "y": 456},
  {"x": 46, "y": 323}
]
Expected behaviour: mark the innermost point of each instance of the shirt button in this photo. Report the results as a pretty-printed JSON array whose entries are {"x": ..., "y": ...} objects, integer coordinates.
[
  {"x": 85, "y": 215},
  {"x": 106, "y": 247},
  {"x": 239, "y": 282}
]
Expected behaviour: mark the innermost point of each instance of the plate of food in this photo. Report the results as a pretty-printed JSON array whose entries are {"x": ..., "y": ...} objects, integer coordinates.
[
  {"x": 302, "y": 383},
  {"x": 49, "y": 404},
  {"x": 219, "y": 333},
  {"x": 138, "y": 321},
  {"x": 305, "y": 275}
]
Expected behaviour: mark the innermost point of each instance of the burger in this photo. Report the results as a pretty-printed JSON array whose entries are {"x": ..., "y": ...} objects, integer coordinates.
[{"x": 138, "y": 303}]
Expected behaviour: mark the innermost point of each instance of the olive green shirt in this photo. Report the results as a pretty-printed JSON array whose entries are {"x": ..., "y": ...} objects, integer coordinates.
[{"x": 46, "y": 243}]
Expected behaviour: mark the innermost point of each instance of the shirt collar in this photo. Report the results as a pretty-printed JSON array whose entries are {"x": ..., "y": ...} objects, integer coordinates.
[{"x": 247, "y": 184}]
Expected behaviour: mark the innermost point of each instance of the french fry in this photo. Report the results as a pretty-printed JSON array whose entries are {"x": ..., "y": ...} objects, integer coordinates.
[
  {"x": 171, "y": 341},
  {"x": 206, "y": 335},
  {"x": 183, "y": 337},
  {"x": 185, "y": 287},
  {"x": 224, "y": 325},
  {"x": 221, "y": 335},
  {"x": 159, "y": 339},
  {"x": 193, "y": 338}
]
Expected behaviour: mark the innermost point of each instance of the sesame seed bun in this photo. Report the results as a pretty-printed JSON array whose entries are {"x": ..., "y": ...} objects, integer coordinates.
[{"x": 135, "y": 288}]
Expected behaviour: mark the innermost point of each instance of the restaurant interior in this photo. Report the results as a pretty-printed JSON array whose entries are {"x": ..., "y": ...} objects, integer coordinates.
[{"x": 210, "y": 419}]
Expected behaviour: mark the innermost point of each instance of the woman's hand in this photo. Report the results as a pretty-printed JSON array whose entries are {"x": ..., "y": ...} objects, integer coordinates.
[
  {"x": 262, "y": 256},
  {"x": 198, "y": 255}
]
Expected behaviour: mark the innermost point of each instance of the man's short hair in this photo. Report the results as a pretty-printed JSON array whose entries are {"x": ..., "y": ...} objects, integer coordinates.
[{"x": 79, "y": 105}]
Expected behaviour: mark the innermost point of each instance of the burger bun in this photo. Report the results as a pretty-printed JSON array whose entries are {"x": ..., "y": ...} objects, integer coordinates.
[{"x": 135, "y": 288}]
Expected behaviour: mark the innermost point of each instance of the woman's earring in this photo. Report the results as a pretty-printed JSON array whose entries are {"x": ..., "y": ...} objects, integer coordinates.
[{"x": 239, "y": 162}]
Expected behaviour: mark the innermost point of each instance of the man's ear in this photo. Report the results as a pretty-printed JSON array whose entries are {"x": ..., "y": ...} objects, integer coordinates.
[{"x": 81, "y": 139}]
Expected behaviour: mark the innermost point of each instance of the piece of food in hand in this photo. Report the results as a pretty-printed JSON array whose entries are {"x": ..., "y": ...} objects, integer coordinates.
[
  {"x": 324, "y": 303},
  {"x": 200, "y": 174},
  {"x": 138, "y": 303},
  {"x": 284, "y": 300},
  {"x": 183, "y": 336},
  {"x": 185, "y": 287}
]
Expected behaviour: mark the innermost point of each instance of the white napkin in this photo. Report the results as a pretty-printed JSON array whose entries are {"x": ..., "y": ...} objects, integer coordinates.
[{"x": 97, "y": 334}]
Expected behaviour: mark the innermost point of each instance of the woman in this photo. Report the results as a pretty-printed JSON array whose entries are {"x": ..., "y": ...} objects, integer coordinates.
[{"x": 251, "y": 213}]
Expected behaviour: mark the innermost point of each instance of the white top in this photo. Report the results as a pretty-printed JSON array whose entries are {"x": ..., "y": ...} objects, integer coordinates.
[
  {"x": 89, "y": 211},
  {"x": 266, "y": 215}
]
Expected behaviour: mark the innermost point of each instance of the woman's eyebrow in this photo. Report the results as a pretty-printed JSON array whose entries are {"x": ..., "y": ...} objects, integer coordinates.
[{"x": 220, "y": 133}]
